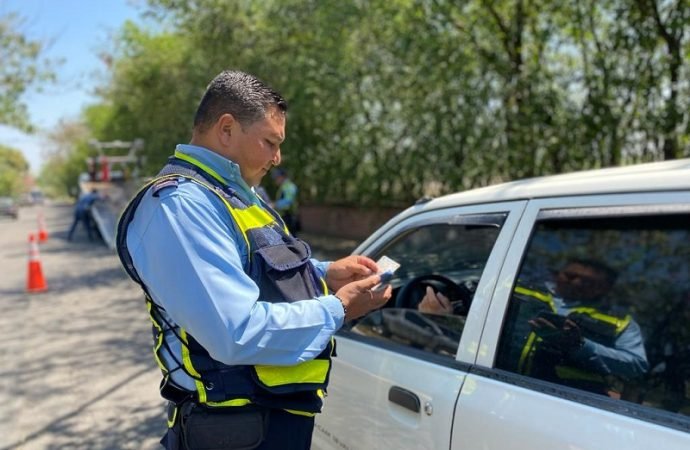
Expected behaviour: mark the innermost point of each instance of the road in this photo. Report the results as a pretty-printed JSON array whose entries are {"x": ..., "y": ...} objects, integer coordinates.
[{"x": 77, "y": 370}]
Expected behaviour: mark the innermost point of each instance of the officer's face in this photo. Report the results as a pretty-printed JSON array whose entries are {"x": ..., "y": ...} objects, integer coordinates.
[
  {"x": 257, "y": 146},
  {"x": 580, "y": 282}
]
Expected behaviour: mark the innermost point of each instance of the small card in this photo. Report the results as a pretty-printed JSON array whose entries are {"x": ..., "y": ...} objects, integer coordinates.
[
  {"x": 387, "y": 265},
  {"x": 386, "y": 269}
]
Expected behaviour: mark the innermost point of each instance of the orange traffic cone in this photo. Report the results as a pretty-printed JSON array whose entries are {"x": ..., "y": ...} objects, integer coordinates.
[
  {"x": 42, "y": 232},
  {"x": 35, "y": 281}
]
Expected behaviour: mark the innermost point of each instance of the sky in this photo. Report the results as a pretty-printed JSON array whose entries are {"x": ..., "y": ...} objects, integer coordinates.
[{"x": 75, "y": 30}]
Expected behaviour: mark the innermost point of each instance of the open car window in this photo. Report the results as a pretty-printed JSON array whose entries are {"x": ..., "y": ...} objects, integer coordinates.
[{"x": 447, "y": 257}]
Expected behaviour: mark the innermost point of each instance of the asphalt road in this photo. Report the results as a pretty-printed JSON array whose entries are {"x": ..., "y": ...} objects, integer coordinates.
[{"x": 76, "y": 369}]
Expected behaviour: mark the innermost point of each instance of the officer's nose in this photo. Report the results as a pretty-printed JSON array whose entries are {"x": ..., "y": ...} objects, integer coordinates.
[{"x": 277, "y": 158}]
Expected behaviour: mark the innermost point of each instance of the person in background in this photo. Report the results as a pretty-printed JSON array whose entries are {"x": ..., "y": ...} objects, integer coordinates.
[
  {"x": 286, "y": 199},
  {"x": 243, "y": 317},
  {"x": 82, "y": 213}
]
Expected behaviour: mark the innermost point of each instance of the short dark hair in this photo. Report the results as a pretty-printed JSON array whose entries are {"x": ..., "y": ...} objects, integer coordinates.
[
  {"x": 609, "y": 273},
  {"x": 243, "y": 95}
]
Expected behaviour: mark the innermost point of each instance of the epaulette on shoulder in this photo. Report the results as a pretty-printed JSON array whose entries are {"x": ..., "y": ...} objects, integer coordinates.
[{"x": 165, "y": 183}]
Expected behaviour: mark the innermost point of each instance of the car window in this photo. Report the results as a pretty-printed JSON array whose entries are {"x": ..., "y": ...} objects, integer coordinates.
[
  {"x": 447, "y": 257},
  {"x": 602, "y": 305}
]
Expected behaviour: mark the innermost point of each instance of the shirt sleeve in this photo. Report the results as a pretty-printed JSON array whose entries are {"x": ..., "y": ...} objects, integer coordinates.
[
  {"x": 321, "y": 266},
  {"x": 627, "y": 358},
  {"x": 189, "y": 255}
]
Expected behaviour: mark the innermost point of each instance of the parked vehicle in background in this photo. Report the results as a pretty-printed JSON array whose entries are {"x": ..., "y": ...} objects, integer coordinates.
[
  {"x": 37, "y": 197},
  {"x": 33, "y": 197},
  {"x": 523, "y": 361},
  {"x": 8, "y": 207}
]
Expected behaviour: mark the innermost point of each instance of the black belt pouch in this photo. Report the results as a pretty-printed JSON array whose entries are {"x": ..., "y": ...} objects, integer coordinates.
[{"x": 237, "y": 428}]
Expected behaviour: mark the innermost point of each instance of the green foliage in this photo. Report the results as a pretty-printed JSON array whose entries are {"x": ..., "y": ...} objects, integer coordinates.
[
  {"x": 13, "y": 171},
  {"x": 21, "y": 67},
  {"x": 157, "y": 80},
  {"x": 391, "y": 100},
  {"x": 66, "y": 159}
]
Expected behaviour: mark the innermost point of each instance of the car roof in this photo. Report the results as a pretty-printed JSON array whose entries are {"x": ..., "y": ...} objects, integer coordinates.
[{"x": 649, "y": 177}]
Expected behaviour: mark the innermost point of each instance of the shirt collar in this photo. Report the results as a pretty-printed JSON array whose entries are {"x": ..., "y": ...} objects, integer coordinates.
[{"x": 228, "y": 170}]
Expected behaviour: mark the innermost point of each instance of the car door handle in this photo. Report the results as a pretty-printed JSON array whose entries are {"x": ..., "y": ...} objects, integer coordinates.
[{"x": 404, "y": 398}]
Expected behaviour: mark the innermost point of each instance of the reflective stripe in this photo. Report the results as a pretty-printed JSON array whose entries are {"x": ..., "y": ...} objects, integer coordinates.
[
  {"x": 171, "y": 421},
  {"x": 233, "y": 402},
  {"x": 200, "y": 165},
  {"x": 324, "y": 285},
  {"x": 187, "y": 361},
  {"x": 159, "y": 339},
  {"x": 572, "y": 373},
  {"x": 526, "y": 355},
  {"x": 227, "y": 205},
  {"x": 546, "y": 298},
  {"x": 252, "y": 217},
  {"x": 319, "y": 393},
  {"x": 300, "y": 413},
  {"x": 619, "y": 323},
  {"x": 313, "y": 372}
]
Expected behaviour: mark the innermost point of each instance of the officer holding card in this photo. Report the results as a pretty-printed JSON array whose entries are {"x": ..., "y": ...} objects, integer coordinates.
[{"x": 243, "y": 317}]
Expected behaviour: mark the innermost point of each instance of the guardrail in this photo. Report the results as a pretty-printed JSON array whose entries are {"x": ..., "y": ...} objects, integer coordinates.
[{"x": 106, "y": 212}]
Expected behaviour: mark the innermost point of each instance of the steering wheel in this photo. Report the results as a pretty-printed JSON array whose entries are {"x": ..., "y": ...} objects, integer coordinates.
[{"x": 414, "y": 290}]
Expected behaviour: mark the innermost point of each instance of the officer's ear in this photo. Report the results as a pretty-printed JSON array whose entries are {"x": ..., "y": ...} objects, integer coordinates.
[{"x": 225, "y": 128}]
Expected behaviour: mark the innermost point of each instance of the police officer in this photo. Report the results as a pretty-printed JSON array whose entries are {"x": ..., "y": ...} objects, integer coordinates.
[
  {"x": 565, "y": 332},
  {"x": 243, "y": 317},
  {"x": 286, "y": 199},
  {"x": 82, "y": 213}
]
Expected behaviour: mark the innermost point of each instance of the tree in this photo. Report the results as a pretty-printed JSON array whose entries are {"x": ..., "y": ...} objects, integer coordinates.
[
  {"x": 65, "y": 159},
  {"x": 21, "y": 68},
  {"x": 13, "y": 171},
  {"x": 391, "y": 100},
  {"x": 157, "y": 81}
]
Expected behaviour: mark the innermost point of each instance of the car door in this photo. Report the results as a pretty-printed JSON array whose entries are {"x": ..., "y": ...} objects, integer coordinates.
[
  {"x": 398, "y": 371},
  {"x": 633, "y": 394}
]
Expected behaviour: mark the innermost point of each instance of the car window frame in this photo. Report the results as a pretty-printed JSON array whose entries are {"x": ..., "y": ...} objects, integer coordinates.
[
  {"x": 611, "y": 205},
  {"x": 468, "y": 348}
]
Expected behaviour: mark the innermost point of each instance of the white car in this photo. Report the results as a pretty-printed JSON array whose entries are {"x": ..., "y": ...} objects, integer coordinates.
[{"x": 570, "y": 322}]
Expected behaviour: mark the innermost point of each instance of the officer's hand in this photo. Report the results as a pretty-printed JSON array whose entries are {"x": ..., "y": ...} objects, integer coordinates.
[
  {"x": 349, "y": 269},
  {"x": 567, "y": 338},
  {"x": 572, "y": 336},
  {"x": 359, "y": 299},
  {"x": 435, "y": 303}
]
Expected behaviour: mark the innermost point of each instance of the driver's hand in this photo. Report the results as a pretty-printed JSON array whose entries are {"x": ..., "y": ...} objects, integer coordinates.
[{"x": 435, "y": 303}]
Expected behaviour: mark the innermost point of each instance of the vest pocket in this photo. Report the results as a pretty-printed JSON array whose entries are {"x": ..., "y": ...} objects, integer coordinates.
[
  {"x": 285, "y": 272},
  {"x": 224, "y": 428},
  {"x": 285, "y": 256}
]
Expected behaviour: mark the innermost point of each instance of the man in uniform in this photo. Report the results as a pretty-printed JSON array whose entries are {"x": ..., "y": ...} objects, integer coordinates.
[{"x": 243, "y": 317}]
